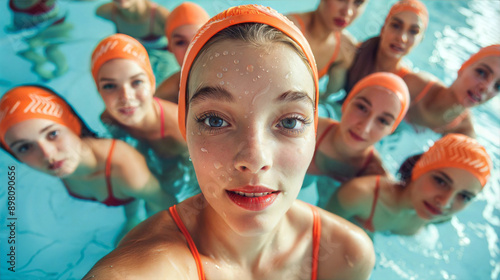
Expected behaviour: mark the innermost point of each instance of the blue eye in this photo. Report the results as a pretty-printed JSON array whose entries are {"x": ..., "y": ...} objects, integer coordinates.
[
  {"x": 289, "y": 123},
  {"x": 137, "y": 82},
  {"x": 108, "y": 86},
  {"x": 481, "y": 72},
  {"x": 53, "y": 134},
  {"x": 211, "y": 121},
  {"x": 214, "y": 122},
  {"x": 23, "y": 148},
  {"x": 465, "y": 197},
  {"x": 383, "y": 121},
  {"x": 439, "y": 181}
]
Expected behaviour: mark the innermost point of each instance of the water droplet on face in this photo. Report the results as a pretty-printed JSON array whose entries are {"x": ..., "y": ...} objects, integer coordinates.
[
  {"x": 246, "y": 91},
  {"x": 192, "y": 132},
  {"x": 217, "y": 165},
  {"x": 267, "y": 71},
  {"x": 236, "y": 61},
  {"x": 219, "y": 75},
  {"x": 287, "y": 75},
  {"x": 225, "y": 53},
  {"x": 229, "y": 179},
  {"x": 204, "y": 64},
  {"x": 250, "y": 68},
  {"x": 217, "y": 54},
  {"x": 254, "y": 79},
  {"x": 261, "y": 55},
  {"x": 237, "y": 69},
  {"x": 221, "y": 83},
  {"x": 211, "y": 57},
  {"x": 233, "y": 53},
  {"x": 259, "y": 76},
  {"x": 204, "y": 150},
  {"x": 199, "y": 133},
  {"x": 224, "y": 69}
]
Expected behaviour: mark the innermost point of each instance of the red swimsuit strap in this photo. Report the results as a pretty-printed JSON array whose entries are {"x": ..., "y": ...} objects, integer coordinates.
[
  {"x": 108, "y": 168},
  {"x": 316, "y": 241},
  {"x": 325, "y": 69},
  {"x": 369, "y": 222},
  {"x": 192, "y": 246},
  {"x": 422, "y": 93}
]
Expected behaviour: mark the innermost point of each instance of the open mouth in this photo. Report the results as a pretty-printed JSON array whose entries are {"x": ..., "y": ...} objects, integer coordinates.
[
  {"x": 128, "y": 111},
  {"x": 253, "y": 201},
  {"x": 397, "y": 48},
  {"x": 56, "y": 165},
  {"x": 474, "y": 97}
]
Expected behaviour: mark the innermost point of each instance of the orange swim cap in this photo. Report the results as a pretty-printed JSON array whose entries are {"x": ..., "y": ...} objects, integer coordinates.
[
  {"x": 493, "y": 50},
  {"x": 121, "y": 46},
  {"x": 390, "y": 81},
  {"x": 414, "y": 6},
  {"x": 31, "y": 102},
  {"x": 186, "y": 13},
  {"x": 233, "y": 16},
  {"x": 458, "y": 151}
]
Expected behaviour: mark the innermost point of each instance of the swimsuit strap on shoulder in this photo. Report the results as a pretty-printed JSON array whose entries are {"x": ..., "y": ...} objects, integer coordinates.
[
  {"x": 162, "y": 118},
  {"x": 325, "y": 69},
  {"x": 192, "y": 246},
  {"x": 423, "y": 92},
  {"x": 369, "y": 223},
  {"x": 316, "y": 241}
]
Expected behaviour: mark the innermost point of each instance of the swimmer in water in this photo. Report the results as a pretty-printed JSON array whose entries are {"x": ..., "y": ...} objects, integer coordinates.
[
  {"x": 373, "y": 109},
  {"x": 182, "y": 24},
  {"x": 402, "y": 31},
  {"x": 434, "y": 186},
  {"x": 446, "y": 109},
  {"x": 242, "y": 111},
  {"x": 40, "y": 129},
  {"x": 333, "y": 46}
]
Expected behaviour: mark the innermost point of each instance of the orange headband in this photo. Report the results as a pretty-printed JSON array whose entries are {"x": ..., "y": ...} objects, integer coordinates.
[
  {"x": 186, "y": 13},
  {"x": 121, "y": 46},
  {"x": 386, "y": 80},
  {"x": 233, "y": 16},
  {"x": 414, "y": 6},
  {"x": 458, "y": 151},
  {"x": 30, "y": 102},
  {"x": 493, "y": 50}
]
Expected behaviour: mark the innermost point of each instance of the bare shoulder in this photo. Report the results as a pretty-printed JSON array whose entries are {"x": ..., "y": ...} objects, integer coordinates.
[
  {"x": 161, "y": 14},
  {"x": 347, "y": 39},
  {"x": 155, "y": 249},
  {"x": 105, "y": 11},
  {"x": 416, "y": 82},
  {"x": 346, "y": 251},
  {"x": 323, "y": 124}
]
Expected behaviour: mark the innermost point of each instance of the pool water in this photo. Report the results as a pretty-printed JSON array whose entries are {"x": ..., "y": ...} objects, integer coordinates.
[{"x": 59, "y": 237}]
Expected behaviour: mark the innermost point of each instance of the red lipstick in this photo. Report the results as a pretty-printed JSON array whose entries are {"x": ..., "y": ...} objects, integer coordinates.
[
  {"x": 433, "y": 210},
  {"x": 253, "y": 198},
  {"x": 355, "y": 136},
  {"x": 56, "y": 165},
  {"x": 340, "y": 22}
]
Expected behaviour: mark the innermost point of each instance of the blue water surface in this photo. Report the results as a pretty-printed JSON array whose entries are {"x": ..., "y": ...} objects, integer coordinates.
[{"x": 59, "y": 237}]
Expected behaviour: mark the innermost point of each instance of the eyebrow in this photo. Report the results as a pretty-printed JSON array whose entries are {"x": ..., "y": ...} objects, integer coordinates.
[
  {"x": 132, "y": 77},
  {"x": 22, "y": 140},
  {"x": 292, "y": 96},
  {"x": 209, "y": 92},
  {"x": 369, "y": 103}
]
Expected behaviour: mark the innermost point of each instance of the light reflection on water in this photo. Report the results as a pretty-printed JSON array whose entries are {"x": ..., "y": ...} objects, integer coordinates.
[{"x": 465, "y": 248}]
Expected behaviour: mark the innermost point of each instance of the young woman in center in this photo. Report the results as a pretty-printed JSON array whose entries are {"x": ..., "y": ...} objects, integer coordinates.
[
  {"x": 434, "y": 186},
  {"x": 248, "y": 111}
]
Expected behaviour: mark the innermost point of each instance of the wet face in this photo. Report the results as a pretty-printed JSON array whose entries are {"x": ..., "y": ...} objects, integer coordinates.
[
  {"x": 402, "y": 32},
  {"x": 338, "y": 14},
  {"x": 441, "y": 193},
  {"x": 45, "y": 146},
  {"x": 250, "y": 131},
  {"x": 369, "y": 116},
  {"x": 126, "y": 90},
  {"x": 180, "y": 39},
  {"x": 478, "y": 83}
]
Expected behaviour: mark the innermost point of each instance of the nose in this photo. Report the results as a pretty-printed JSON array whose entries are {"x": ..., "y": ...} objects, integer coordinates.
[
  {"x": 126, "y": 92},
  {"x": 445, "y": 199},
  {"x": 254, "y": 153},
  {"x": 403, "y": 37},
  {"x": 365, "y": 125},
  {"x": 47, "y": 149}
]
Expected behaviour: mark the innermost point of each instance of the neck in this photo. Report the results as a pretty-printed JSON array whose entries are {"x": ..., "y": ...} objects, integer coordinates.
[
  {"x": 345, "y": 151},
  {"x": 385, "y": 63},
  {"x": 444, "y": 103},
  {"x": 224, "y": 243},
  {"x": 318, "y": 30}
]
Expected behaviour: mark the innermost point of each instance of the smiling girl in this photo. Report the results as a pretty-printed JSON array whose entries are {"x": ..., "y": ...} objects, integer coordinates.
[
  {"x": 248, "y": 111},
  {"x": 435, "y": 186},
  {"x": 446, "y": 109},
  {"x": 40, "y": 129}
]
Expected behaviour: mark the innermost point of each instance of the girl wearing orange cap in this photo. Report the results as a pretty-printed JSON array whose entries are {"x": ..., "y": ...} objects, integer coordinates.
[
  {"x": 434, "y": 186},
  {"x": 41, "y": 130},
  {"x": 332, "y": 45},
  {"x": 182, "y": 24},
  {"x": 446, "y": 109},
  {"x": 403, "y": 30},
  {"x": 145, "y": 21},
  {"x": 124, "y": 78},
  {"x": 242, "y": 112},
  {"x": 373, "y": 109}
]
